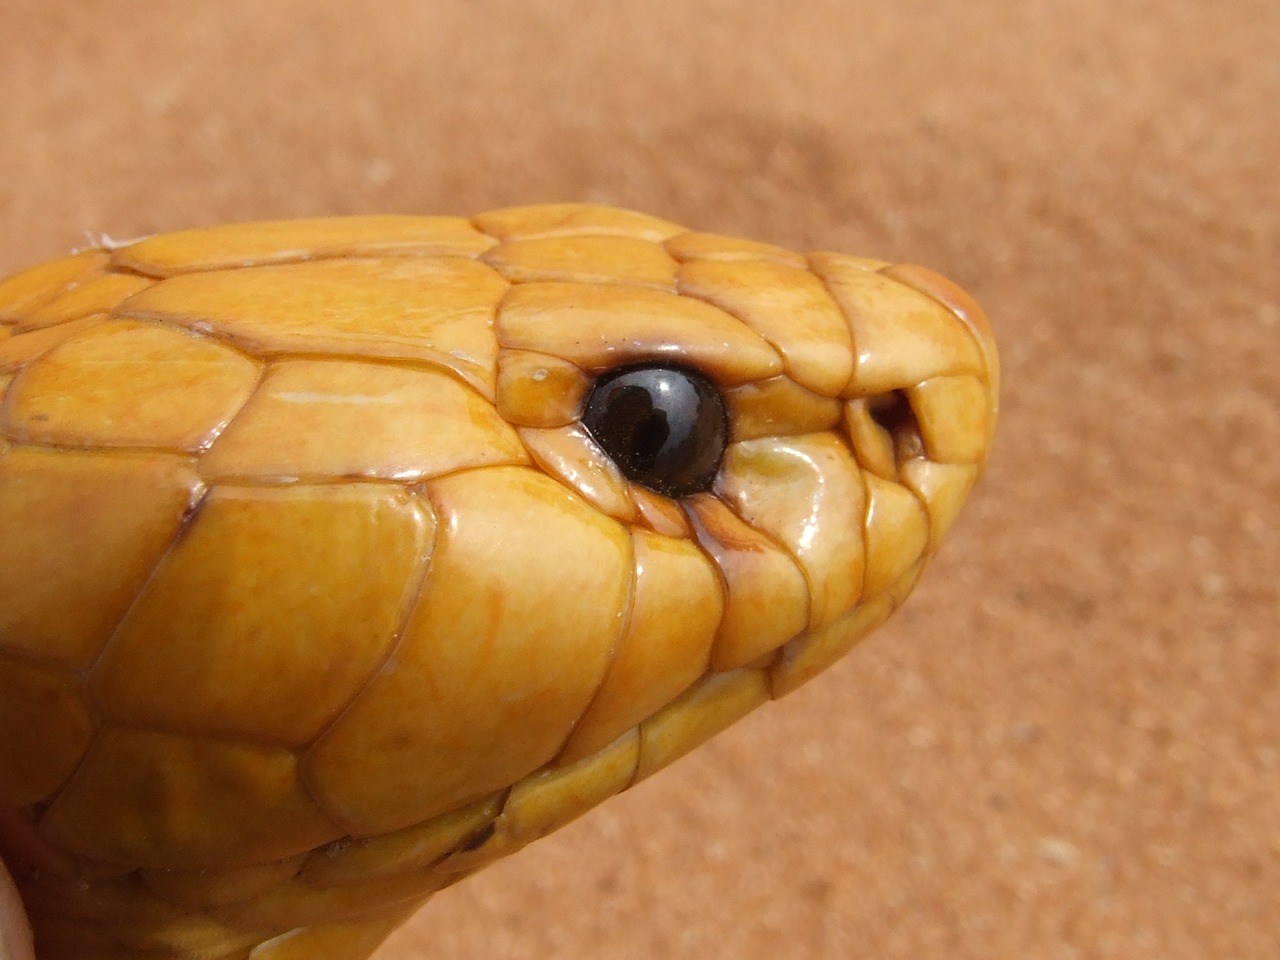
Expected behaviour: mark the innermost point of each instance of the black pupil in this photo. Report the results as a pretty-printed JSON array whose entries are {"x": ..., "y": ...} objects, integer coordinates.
[{"x": 664, "y": 426}]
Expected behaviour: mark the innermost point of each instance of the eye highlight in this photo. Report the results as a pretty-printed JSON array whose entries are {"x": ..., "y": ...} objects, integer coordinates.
[{"x": 664, "y": 426}]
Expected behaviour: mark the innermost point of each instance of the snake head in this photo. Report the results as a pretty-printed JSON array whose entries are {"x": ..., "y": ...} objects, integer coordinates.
[{"x": 341, "y": 557}]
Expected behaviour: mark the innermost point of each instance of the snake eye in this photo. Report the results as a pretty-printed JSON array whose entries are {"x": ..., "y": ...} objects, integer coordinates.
[{"x": 664, "y": 427}]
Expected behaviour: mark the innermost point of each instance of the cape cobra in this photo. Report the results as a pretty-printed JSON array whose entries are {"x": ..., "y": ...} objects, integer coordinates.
[{"x": 341, "y": 557}]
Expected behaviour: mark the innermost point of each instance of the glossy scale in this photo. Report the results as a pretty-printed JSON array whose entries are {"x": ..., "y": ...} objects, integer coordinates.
[{"x": 316, "y": 595}]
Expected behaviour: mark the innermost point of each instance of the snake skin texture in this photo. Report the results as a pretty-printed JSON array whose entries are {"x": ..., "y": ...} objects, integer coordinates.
[{"x": 316, "y": 596}]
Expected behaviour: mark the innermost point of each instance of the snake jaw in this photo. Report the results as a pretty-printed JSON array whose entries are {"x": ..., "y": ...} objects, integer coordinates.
[{"x": 387, "y": 410}]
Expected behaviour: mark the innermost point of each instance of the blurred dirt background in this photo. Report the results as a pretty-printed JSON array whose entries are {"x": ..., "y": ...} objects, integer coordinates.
[{"x": 1067, "y": 745}]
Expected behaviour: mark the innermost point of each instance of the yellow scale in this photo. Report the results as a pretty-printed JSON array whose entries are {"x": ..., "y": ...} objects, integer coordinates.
[{"x": 318, "y": 594}]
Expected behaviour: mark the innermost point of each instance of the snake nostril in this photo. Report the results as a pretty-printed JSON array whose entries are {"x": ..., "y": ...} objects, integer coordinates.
[{"x": 892, "y": 412}]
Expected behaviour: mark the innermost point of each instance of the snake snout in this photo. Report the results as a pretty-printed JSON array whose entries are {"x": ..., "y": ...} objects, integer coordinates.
[{"x": 918, "y": 417}]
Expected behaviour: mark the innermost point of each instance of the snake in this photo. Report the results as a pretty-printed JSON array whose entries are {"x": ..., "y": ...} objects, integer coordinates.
[{"x": 341, "y": 557}]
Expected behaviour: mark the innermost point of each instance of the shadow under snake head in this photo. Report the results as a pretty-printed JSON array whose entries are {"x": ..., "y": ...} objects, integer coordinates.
[{"x": 341, "y": 557}]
